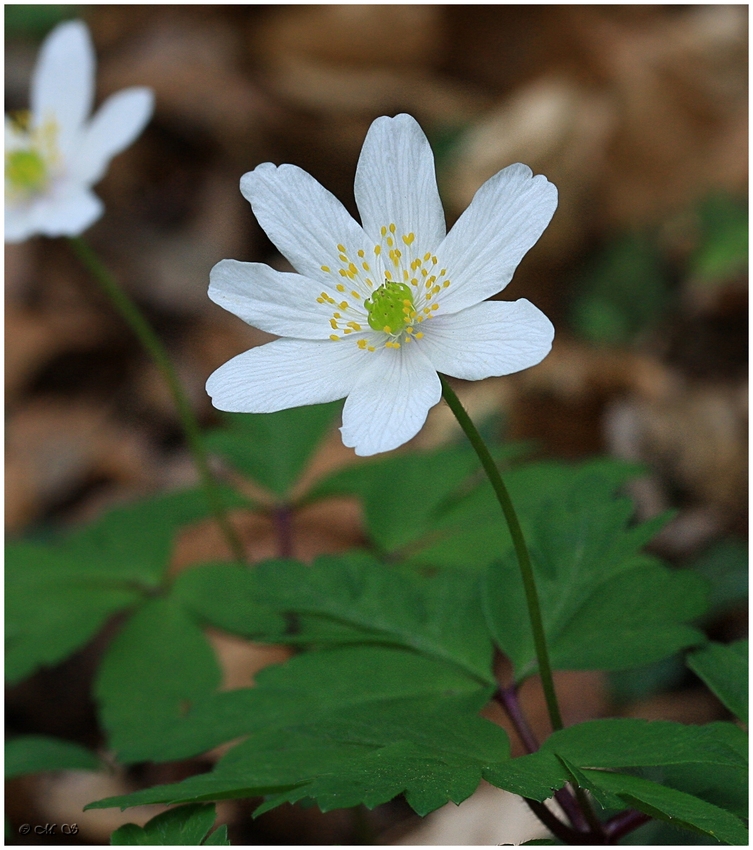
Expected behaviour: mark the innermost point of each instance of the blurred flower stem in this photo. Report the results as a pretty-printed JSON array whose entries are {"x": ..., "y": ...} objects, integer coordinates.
[
  {"x": 151, "y": 342},
  {"x": 521, "y": 550}
]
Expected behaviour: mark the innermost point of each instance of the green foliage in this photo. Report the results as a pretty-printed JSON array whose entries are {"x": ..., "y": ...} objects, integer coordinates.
[
  {"x": 725, "y": 566},
  {"x": 667, "y": 804},
  {"x": 725, "y": 670},
  {"x": 438, "y": 616},
  {"x": 36, "y": 21},
  {"x": 622, "y": 292},
  {"x": 431, "y": 750},
  {"x": 37, "y": 753},
  {"x": 723, "y": 248},
  {"x": 181, "y": 826},
  {"x": 59, "y": 595},
  {"x": 604, "y": 604},
  {"x": 155, "y": 669},
  {"x": 225, "y": 596},
  {"x": 273, "y": 449}
]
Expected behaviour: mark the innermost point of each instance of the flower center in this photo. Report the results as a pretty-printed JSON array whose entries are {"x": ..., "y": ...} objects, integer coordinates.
[
  {"x": 391, "y": 309},
  {"x": 26, "y": 170}
]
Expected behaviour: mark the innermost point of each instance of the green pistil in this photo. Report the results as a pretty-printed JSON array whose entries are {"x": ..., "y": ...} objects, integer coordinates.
[
  {"x": 26, "y": 170},
  {"x": 390, "y": 308}
]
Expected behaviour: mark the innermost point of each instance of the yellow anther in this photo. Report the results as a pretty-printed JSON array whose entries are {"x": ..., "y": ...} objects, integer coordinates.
[
  {"x": 348, "y": 331},
  {"x": 390, "y": 241},
  {"x": 354, "y": 325},
  {"x": 325, "y": 268},
  {"x": 426, "y": 310},
  {"x": 371, "y": 348},
  {"x": 369, "y": 281},
  {"x": 334, "y": 337},
  {"x": 434, "y": 260},
  {"x": 355, "y": 294},
  {"x": 436, "y": 289},
  {"x": 408, "y": 238},
  {"x": 387, "y": 329},
  {"x": 341, "y": 248},
  {"x": 435, "y": 306},
  {"x": 414, "y": 281},
  {"x": 360, "y": 252},
  {"x": 407, "y": 302},
  {"x": 377, "y": 249},
  {"x": 344, "y": 258},
  {"x": 333, "y": 324},
  {"x": 343, "y": 273},
  {"x": 383, "y": 230},
  {"x": 409, "y": 330},
  {"x": 361, "y": 343},
  {"x": 427, "y": 256},
  {"x": 365, "y": 267},
  {"x": 443, "y": 272},
  {"x": 446, "y": 284},
  {"x": 405, "y": 274},
  {"x": 409, "y": 339},
  {"x": 392, "y": 228},
  {"x": 388, "y": 275},
  {"x": 337, "y": 315},
  {"x": 343, "y": 305},
  {"x": 352, "y": 268},
  {"x": 340, "y": 287},
  {"x": 320, "y": 300},
  {"x": 424, "y": 272},
  {"x": 419, "y": 335}
]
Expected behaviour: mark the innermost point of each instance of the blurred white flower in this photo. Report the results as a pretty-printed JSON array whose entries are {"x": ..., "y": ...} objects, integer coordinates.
[
  {"x": 378, "y": 309},
  {"x": 53, "y": 153}
]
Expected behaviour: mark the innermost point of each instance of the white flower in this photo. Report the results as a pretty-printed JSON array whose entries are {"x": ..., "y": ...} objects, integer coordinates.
[
  {"x": 378, "y": 309},
  {"x": 54, "y": 154}
]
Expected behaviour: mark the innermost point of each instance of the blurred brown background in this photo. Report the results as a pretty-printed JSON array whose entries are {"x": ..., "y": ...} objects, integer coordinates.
[{"x": 637, "y": 113}]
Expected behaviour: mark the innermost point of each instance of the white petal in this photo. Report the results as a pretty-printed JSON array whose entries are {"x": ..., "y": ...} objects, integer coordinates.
[
  {"x": 303, "y": 219},
  {"x": 62, "y": 86},
  {"x": 119, "y": 121},
  {"x": 504, "y": 220},
  {"x": 396, "y": 183},
  {"x": 276, "y": 302},
  {"x": 390, "y": 403},
  {"x": 66, "y": 211},
  {"x": 489, "y": 339},
  {"x": 285, "y": 373}
]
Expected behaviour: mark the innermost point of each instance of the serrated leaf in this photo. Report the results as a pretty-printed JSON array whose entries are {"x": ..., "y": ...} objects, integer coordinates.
[
  {"x": 603, "y": 604},
  {"x": 155, "y": 669},
  {"x": 432, "y": 752},
  {"x": 273, "y": 449},
  {"x": 184, "y": 825},
  {"x": 617, "y": 743},
  {"x": 470, "y": 532},
  {"x": 59, "y": 595},
  {"x": 724, "y": 668},
  {"x": 667, "y": 804},
  {"x": 225, "y": 596},
  {"x": 438, "y": 616},
  {"x": 401, "y": 493},
  {"x": 36, "y": 753},
  {"x": 293, "y": 693}
]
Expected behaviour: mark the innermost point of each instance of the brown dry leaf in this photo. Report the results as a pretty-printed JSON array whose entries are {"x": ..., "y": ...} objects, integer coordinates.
[
  {"x": 53, "y": 448},
  {"x": 348, "y": 59}
]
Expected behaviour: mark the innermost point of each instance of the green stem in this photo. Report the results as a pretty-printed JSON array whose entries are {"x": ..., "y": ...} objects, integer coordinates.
[
  {"x": 521, "y": 550},
  {"x": 151, "y": 342}
]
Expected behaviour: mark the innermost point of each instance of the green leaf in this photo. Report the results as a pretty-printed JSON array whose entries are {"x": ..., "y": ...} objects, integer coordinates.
[
  {"x": 438, "y": 616},
  {"x": 155, "y": 669},
  {"x": 401, "y": 493},
  {"x": 184, "y": 825},
  {"x": 273, "y": 449},
  {"x": 723, "y": 251},
  {"x": 622, "y": 292},
  {"x": 37, "y": 753},
  {"x": 604, "y": 605},
  {"x": 226, "y": 596},
  {"x": 470, "y": 532},
  {"x": 59, "y": 595},
  {"x": 725, "y": 567},
  {"x": 431, "y": 751},
  {"x": 667, "y": 804},
  {"x": 725, "y": 670},
  {"x": 293, "y": 693},
  {"x": 617, "y": 743}
]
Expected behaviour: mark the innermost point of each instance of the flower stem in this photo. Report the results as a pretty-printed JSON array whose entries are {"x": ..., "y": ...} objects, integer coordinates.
[
  {"x": 521, "y": 550},
  {"x": 151, "y": 342}
]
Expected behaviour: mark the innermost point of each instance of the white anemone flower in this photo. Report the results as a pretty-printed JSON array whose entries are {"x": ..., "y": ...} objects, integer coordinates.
[
  {"x": 53, "y": 153},
  {"x": 376, "y": 310}
]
